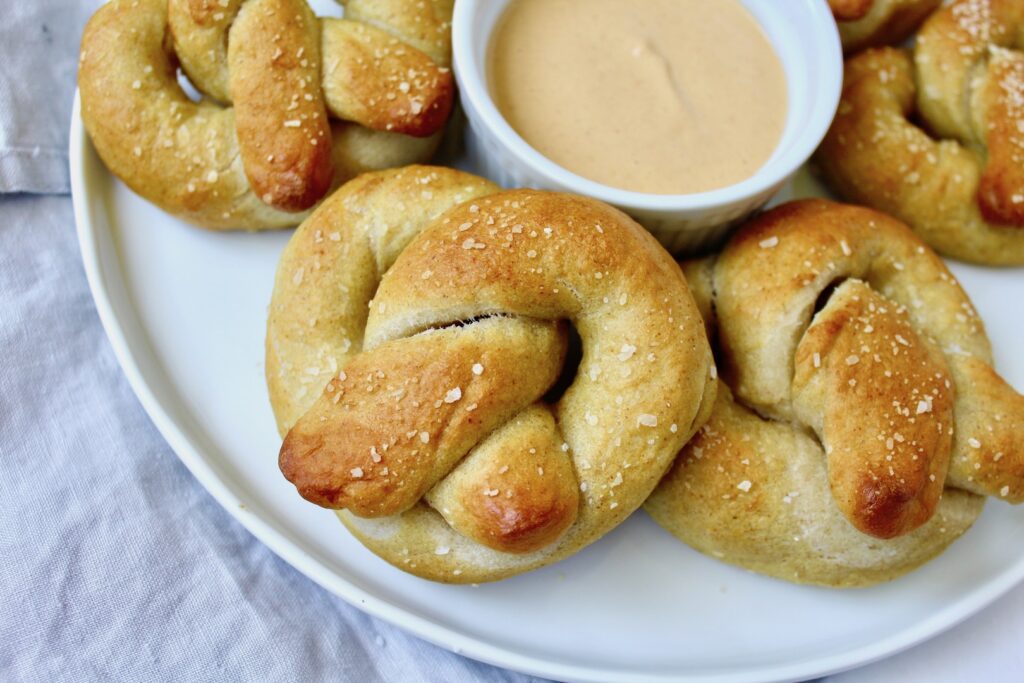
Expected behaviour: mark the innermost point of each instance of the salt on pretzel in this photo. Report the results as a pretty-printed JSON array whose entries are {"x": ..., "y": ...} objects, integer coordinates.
[
  {"x": 860, "y": 421},
  {"x": 292, "y": 104},
  {"x": 959, "y": 180},
  {"x": 419, "y": 320},
  {"x": 865, "y": 23}
]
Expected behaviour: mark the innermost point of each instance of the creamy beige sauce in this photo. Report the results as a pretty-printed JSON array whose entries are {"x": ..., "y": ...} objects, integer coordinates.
[{"x": 660, "y": 96}]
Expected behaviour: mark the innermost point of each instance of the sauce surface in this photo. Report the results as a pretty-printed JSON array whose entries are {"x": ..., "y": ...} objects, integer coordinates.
[{"x": 658, "y": 96}]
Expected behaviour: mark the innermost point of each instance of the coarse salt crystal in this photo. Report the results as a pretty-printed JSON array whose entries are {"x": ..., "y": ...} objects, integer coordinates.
[{"x": 647, "y": 420}]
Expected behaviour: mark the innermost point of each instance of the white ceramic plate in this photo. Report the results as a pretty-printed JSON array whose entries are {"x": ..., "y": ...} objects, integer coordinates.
[{"x": 185, "y": 313}]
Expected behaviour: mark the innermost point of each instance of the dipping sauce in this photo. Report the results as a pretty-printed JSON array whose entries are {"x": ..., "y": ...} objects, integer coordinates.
[{"x": 658, "y": 96}]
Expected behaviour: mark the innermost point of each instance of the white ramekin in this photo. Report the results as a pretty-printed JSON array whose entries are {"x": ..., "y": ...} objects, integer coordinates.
[{"x": 804, "y": 36}]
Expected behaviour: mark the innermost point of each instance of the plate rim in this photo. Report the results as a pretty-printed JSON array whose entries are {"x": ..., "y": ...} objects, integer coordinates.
[{"x": 451, "y": 639}]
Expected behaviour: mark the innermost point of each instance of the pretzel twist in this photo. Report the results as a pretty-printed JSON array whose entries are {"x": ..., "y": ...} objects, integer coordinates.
[
  {"x": 856, "y": 343},
  {"x": 292, "y": 104},
  {"x": 962, "y": 190},
  {"x": 864, "y": 23},
  {"x": 424, "y": 420}
]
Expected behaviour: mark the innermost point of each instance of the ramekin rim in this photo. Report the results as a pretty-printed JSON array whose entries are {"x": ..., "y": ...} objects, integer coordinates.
[{"x": 481, "y": 110}]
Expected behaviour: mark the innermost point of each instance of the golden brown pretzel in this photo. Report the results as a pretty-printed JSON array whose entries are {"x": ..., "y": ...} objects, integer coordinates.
[
  {"x": 863, "y": 23},
  {"x": 409, "y": 356},
  {"x": 864, "y": 417},
  {"x": 959, "y": 182},
  {"x": 260, "y": 147}
]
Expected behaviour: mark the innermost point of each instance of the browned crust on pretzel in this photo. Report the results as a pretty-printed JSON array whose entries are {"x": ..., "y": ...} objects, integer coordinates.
[
  {"x": 455, "y": 296},
  {"x": 971, "y": 88},
  {"x": 376, "y": 80},
  {"x": 988, "y": 450},
  {"x": 782, "y": 263},
  {"x": 887, "y": 464},
  {"x": 884, "y": 22},
  {"x": 785, "y": 524},
  {"x": 858, "y": 350},
  {"x": 187, "y": 157},
  {"x": 874, "y": 154},
  {"x": 1001, "y": 189},
  {"x": 180, "y": 155},
  {"x": 208, "y": 12},
  {"x": 280, "y": 119},
  {"x": 389, "y": 428},
  {"x": 536, "y": 493},
  {"x": 849, "y": 10},
  {"x": 424, "y": 24},
  {"x": 354, "y": 236},
  {"x": 756, "y": 488}
]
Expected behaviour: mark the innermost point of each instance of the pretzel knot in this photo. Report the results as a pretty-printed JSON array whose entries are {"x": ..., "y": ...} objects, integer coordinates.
[
  {"x": 863, "y": 23},
  {"x": 962, "y": 190},
  {"x": 291, "y": 106},
  {"x": 885, "y": 417},
  {"x": 436, "y": 430}
]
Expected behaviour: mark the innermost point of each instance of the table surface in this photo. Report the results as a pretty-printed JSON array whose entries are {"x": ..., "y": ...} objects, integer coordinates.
[{"x": 115, "y": 563}]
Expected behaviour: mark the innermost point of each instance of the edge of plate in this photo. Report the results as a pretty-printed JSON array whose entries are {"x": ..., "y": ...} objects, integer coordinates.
[{"x": 455, "y": 641}]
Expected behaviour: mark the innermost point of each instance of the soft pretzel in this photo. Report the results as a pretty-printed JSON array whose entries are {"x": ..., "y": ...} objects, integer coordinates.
[
  {"x": 849, "y": 10},
  {"x": 960, "y": 184},
  {"x": 860, "y": 422},
  {"x": 864, "y": 23},
  {"x": 417, "y": 330},
  {"x": 292, "y": 104}
]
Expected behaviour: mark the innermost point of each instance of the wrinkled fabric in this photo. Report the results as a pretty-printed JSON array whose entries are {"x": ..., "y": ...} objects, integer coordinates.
[
  {"x": 38, "y": 62},
  {"x": 115, "y": 564}
]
